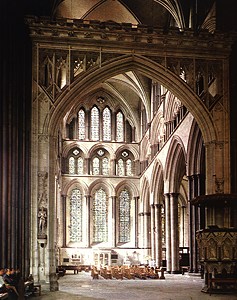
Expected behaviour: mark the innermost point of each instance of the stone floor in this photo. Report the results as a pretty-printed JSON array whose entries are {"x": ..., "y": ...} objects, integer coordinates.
[{"x": 174, "y": 287}]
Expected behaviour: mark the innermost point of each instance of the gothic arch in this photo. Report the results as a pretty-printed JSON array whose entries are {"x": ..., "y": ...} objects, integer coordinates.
[
  {"x": 105, "y": 185},
  {"x": 146, "y": 67},
  {"x": 195, "y": 151},
  {"x": 130, "y": 148},
  {"x": 104, "y": 146},
  {"x": 157, "y": 182},
  {"x": 75, "y": 183},
  {"x": 129, "y": 185},
  {"x": 72, "y": 145},
  {"x": 175, "y": 165},
  {"x": 145, "y": 195}
]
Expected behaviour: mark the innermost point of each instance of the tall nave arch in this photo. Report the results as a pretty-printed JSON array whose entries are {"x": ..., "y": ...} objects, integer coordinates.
[{"x": 67, "y": 100}]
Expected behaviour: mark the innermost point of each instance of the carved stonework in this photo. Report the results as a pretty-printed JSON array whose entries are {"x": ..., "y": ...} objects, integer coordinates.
[
  {"x": 42, "y": 222},
  {"x": 42, "y": 189},
  {"x": 219, "y": 184}
]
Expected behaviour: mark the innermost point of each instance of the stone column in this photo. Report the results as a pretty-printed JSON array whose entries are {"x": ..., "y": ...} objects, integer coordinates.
[
  {"x": 141, "y": 231},
  {"x": 152, "y": 231},
  {"x": 113, "y": 126},
  {"x": 114, "y": 222},
  {"x": 146, "y": 236},
  {"x": 158, "y": 235},
  {"x": 87, "y": 122},
  {"x": 88, "y": 205},
  {"x": 136, "y": 221},
  {"x": 174, "y": 226},
  {"x": 167, "y": 233}
]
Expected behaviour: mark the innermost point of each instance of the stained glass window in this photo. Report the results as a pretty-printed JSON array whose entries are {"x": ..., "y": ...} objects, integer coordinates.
[
  {"x": 80, "y": 166},
  {"x": 95, "y": 124},
  {"x": 105, "y": 166},
  {"x": 120, "y": 167},
  {"x": 124, "y": 216},
  {"x": 129, "y": 167},
  {"x": 96, "y": 166},
  {"x": 106, "y": 124},
  {"x": 75, "y": 233},
  {"x": 100, "y": 217},
  {"x": 119, "y": 127},
  {"x": 71, "y": 165},
  {"x": 81, "y": 125}
]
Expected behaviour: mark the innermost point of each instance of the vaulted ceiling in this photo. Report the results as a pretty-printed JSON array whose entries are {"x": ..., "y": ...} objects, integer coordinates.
[{"x": 159, "y": 13}]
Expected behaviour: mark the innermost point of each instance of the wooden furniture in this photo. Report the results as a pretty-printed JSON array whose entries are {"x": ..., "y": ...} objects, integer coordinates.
[
  {"x": 223, "y": 283},
  {"x": 75, "y": 268}
]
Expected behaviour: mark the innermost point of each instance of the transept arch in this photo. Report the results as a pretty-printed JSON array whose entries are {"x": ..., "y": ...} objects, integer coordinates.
[{"x": 148, "y": 68}]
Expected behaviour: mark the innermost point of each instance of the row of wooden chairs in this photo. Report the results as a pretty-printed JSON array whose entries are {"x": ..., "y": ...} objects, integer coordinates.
[{"x": 128, "y": 272}]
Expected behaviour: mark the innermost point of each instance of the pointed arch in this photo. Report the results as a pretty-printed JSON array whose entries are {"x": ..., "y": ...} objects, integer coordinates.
[
  {"x": 195, "y": 151},
  {"x": 145, "y": 66},
  {"x": 75, "y": 183},
  {"x": 145, "y": 195},
  {"x": 175, "y": 167},
  {"x": 157, "y": 182}
]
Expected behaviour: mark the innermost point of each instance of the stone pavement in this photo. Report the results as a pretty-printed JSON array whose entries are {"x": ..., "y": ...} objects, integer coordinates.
[{"x": 175, "y": 287}]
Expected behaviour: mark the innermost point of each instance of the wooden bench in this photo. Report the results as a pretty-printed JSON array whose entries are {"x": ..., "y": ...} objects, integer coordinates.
[
  {"x": 31, "y": 288},
  {"x": 223, "y": 282},
  {"x": 3, "y": 296}
]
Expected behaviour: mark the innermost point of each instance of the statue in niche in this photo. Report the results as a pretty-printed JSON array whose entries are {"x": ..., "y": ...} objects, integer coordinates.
[{"x": 42, "y": 221}]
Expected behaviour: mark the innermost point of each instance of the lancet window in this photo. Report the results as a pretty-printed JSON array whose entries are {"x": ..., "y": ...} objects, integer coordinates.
[
  {"x": 100, "y": 163},
  {"x": 95, "y": 119},
  {"x": 119, "y": 127},
  {"x": 125, "y": 164},
  {"x": 75, "y": 163},
  {"x": 106, "y": 124},
  {"x": 100, "y": 216},
  {"x": 81, "y": 125},
  {"x": 124, "y": 216},
  {"x": 75, "y": 234}
]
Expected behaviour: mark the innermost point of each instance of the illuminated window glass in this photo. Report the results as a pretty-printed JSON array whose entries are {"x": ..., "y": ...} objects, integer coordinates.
[
  {"x": 81, "y": 125},
  {"x": 105, "y": 166},
  {"x": 96, "y": 166},
  {"x": 120, "y": 167},
  {"x": 71, "y": 165},
  {"x": 80, "y": 166},
  {"x": 106, "y": 124},
  {"x": 129, "y": 167},
  {"x": 95, "y": 124},
  {"x": 119, "y": 127},
  {"x": 124, "y": 216},
  {"x": 75, "y": 233},
  {"x": 100, "y": 217}
]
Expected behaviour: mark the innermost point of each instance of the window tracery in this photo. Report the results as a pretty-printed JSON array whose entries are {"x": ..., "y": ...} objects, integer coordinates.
[
  {"x": 100, "y": 217},
  {"x": 125, "y": 164},
  {"x": 75, "y": 163},
  {"x": 75, "y": 233},
  {"x": 106, "y": 124},
  {"x": 119, "y": 127},
  {"x": 124, "y": 216},
  {"x": 95, "y": 124},
  {"x": 81, "y": 125}
]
